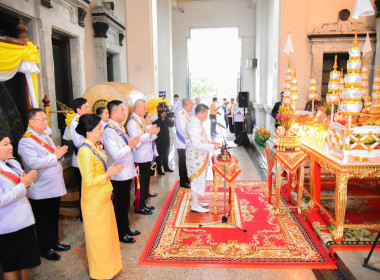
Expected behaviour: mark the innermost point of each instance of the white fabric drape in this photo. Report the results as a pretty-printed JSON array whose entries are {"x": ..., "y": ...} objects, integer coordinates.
[{"x": 26, "y": 67}]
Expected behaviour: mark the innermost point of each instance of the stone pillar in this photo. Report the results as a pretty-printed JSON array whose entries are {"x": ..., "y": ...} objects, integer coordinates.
[{"x": 140, "y": 45}]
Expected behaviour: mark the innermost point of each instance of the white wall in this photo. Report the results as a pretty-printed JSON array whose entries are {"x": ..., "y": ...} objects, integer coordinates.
[
  {"x": 207, "y": 14},
  {"x": 139, "y": 36},
  {"x": 165, "y": 68}
]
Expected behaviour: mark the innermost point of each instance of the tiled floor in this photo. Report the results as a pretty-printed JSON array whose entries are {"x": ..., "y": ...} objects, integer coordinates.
[{"x": 73, "y": 265}]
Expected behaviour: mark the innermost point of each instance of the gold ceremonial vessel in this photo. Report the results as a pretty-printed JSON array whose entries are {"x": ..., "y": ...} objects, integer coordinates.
[
  {"x": 289, "y": 143},
  {"x": 224, "y": 154}
]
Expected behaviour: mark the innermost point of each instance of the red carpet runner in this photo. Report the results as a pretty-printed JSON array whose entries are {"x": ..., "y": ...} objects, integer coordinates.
[{"x": 270, "y": 242}]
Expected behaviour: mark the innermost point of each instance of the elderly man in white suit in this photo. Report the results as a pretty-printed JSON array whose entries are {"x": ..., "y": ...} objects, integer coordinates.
[{"x": 198, "y": 149}]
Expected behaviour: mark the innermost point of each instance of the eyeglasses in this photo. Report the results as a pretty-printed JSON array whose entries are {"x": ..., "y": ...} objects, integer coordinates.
[{"x": 42, "y": 120}]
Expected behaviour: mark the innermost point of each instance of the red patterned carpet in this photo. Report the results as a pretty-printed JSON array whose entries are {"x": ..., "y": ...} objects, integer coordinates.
[
  {"x": 283, "y": 241},
  {"x": 363, "y": 207}
]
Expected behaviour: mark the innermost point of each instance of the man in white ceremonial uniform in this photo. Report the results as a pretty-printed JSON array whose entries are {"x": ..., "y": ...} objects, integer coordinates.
[
  {"x": 118, "y": 147},
  {"x": 39, "y": 153},
  {"x": 80, "y": 107},
  {"x": 198, "y": 149},
  {"x": 142, "y": 155},
  {"x": 181, "y": 121}
]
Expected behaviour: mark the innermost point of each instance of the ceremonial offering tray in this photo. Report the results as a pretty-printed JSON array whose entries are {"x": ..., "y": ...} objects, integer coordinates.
[
  {"x": 359, "y": 143},
  {"x": 224, "y": 154},
  {"x": 288, "y": 143}
]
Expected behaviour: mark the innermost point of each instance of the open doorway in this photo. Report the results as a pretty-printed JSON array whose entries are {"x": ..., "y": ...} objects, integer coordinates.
[{"x": 214, "y": 63}]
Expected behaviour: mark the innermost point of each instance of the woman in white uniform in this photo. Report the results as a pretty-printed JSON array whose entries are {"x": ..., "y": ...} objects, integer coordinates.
[{"x": 18, "y": 244}]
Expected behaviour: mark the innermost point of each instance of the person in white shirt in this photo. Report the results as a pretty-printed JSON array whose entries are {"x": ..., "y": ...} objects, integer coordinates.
[
  {"x": 80, "y": 107},
  {"x": 142, "y": 155},
  {"x": 18, "y": 244},
  {"x": 198, "y": 148},
  {"x": 180, "y": 143},
  {"x": 238, "y": 113},
  {"x": 39, "y": 153},
  {"x": 104, "y": 114},
  {"x": 177, "y": 104},
  {"x": 118, "y": 147},
  {"x": 197, "y": 101}
]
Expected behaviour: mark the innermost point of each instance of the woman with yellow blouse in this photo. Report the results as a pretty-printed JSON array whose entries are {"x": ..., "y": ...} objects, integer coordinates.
[{"x": 102, "y": 240}]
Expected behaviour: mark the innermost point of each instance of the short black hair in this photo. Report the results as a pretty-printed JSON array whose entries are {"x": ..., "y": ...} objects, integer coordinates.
[
  {"x": 3, "y": 134},
  {"x": 214, "y": 99},
  {"x": 225, "y": 99},
  {"x": 201, "y": 108},
  {"x": 78, "y": 103},
  {"x": 176, "y": 95},
  {"x": 282, "y": 93},
  {"x": 87, "y": 123},
  {"x": 32, "y": 113},
  {"x": 100, "y": 110},
  {"x": 112, "y": 104}
]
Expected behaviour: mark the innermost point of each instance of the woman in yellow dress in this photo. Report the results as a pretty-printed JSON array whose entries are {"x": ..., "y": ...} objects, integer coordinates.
[{"x": 102, "y": 240}]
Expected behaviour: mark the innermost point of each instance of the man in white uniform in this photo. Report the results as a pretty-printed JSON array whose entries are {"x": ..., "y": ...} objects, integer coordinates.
[
  {"x": 142, "y": 155},
  {"x": 198, "y": 149},
  {"x": 80, "y": 107},
  {"x": 177, "y": 105},
  {"x": 39, "y": 153},
  {"x": 238, "y": 113},
  {"x": 180, "y": 143},
  {"x": 118, "y": 147}
]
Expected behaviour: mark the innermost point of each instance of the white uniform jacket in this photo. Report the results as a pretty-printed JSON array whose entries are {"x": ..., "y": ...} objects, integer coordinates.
[
  {"x": 238, "y": 113},
  {"x": 143, "y": 151},
  {"x": 198, "y": 154},
  {"x": 118, "y": 151},
  {"x": 181, "y": 121},
  {"x": 15, "y": 210},
  {"x": 177, "y": 107},
  {"x": 49, "y": 182},
  {"x": 77, "y": 139}
]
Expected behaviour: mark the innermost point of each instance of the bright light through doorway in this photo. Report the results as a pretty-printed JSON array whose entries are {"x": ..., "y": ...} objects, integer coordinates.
[{"x": 214, "y": 63}]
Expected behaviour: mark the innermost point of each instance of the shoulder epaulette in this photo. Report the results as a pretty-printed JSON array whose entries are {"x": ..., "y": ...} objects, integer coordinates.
[
  {"x": 27, "y": 134},
  {"x": 77, "y": 119},
  {"x": 111, "y": 125}
]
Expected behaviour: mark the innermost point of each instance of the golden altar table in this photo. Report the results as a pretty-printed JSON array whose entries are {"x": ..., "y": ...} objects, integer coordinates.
[
  {"x": 343, "y": 172},
  {"x": 233, "y": 170}
]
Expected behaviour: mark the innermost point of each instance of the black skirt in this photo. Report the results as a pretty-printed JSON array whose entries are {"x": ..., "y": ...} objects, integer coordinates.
[{"x": 19, "y": 250}]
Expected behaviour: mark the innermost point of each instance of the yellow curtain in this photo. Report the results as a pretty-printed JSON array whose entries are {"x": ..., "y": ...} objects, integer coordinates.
[{"x": 12, "y": 55}]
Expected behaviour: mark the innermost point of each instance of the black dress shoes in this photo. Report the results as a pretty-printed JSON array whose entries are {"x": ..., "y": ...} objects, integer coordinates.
[
  {"x": 186, "y": 186},
  {"x": 127, "y": 239},
  {"x": 168, "y": 170},
  {"x": 61, "y": 247},
  {"x": 144, "y": 212},
  {"x": 153, "y": 194},
  {"x": 132, "y": 232},
  {"x": 150, "y": 208},
  {"x": 159, "y": 172},
  {"x": 50, "y": 255}
]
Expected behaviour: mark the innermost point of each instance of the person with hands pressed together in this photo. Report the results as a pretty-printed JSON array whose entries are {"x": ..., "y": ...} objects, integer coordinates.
[
  {"x": 118, "y": 147},
  {"x": 102, "y": 240},
  {"x": 198, "y": 149},
  {"x": 18, "y": 244},
  {"x": 142, "y": 155},
  {"x": 39, "y": 153},
  {"x": 148, "y": 123},
  {"x": 80, "y": 107}
]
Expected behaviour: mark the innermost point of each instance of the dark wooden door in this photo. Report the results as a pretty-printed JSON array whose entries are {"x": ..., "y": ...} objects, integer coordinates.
[{"x": 62, "y": 74}]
